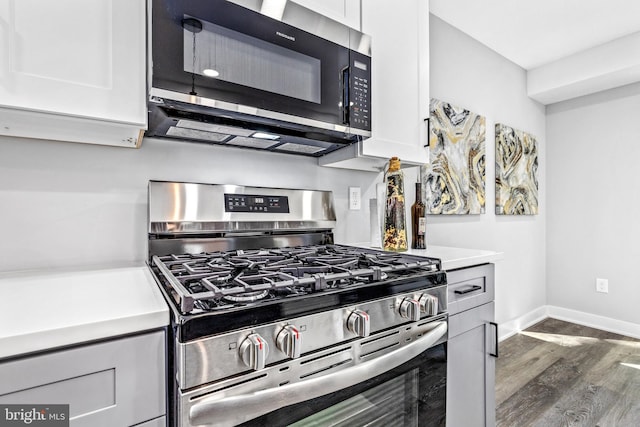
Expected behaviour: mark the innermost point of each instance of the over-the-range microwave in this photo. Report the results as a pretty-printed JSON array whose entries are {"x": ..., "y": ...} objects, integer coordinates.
[{"x": 261, "y": 74}]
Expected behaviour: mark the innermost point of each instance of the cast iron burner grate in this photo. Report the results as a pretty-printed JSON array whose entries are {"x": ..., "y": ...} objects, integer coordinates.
[{"x": 219, "y": 280}]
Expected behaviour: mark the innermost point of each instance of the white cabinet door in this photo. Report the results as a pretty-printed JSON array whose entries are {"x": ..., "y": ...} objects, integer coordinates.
[
  {"x": 345, "y": 11},
  {"x": 399, "y": 86},
  {"x": 471, "y": 369},
  {"x": 400, "y": 77},
  {"x": 73, "y": 59}
]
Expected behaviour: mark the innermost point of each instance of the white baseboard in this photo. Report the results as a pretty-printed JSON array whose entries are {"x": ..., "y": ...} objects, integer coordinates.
[
  {"x": 594, "y": 321},
  {"x": 513, "y": 326}
]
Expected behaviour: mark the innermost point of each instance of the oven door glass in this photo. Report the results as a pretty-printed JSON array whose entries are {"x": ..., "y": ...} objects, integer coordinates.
[{"x": 413, "y": 394}]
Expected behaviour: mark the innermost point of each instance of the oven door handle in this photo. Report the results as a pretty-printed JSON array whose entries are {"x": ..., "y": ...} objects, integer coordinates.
[{"x": 233, "y": 410}]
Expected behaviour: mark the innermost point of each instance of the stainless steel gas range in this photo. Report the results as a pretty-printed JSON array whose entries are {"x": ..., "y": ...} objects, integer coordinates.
[{"x": 273, "y": 324}]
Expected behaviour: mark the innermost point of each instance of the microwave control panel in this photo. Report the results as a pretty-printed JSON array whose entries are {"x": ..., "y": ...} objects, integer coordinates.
[{"x": 360, "y": 114}]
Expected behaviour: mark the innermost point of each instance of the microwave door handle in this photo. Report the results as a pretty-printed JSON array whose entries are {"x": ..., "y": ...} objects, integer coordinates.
[
  {"x": 233, "y": 410},
  {"x": 346, "y": 99}
]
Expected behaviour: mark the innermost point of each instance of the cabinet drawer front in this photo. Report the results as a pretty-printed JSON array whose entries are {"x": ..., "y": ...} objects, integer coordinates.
[
  {"x": 119, "y": 382},
  {"x": 470, "y": 287},
  {"x": 470, "y": 319},
  {"x": 101, "y": 396}
]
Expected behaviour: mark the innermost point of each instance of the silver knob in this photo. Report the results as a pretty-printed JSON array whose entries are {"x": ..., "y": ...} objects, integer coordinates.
[
  {"x": 358, "y": 322},
  {"x": 289, "y": 341},
  {"x": 253, "y": 351},
  {"x": 429, "y": 304},
  {"x": 410, "y": 309}
]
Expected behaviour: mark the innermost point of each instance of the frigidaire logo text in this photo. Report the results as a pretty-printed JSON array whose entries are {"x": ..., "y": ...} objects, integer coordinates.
[{"x": 286, "y": 36}]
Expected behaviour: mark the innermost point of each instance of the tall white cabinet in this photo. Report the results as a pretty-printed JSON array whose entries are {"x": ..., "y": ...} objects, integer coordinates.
[{"x": 73, "y": 70}]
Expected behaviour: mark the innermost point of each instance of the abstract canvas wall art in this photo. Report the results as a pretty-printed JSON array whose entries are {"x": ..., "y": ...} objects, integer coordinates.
[
  {"x": 516, "y": 172},
  {"x": 455, "y": 176}
]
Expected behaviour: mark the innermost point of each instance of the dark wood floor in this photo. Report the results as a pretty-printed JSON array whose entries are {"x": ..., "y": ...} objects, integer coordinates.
[{"x": 557, "y": 373}]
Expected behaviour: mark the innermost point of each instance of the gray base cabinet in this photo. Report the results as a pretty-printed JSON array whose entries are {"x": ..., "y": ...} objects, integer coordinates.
[
  {"x": 114, "y": 383},
  {"x": 472, "y": 348}
]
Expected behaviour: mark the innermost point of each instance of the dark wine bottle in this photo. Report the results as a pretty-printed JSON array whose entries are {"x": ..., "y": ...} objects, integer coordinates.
[{"x": 418, "y": 221}]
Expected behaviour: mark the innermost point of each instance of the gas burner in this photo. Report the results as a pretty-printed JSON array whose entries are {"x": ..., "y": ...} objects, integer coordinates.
[{"x": 246, "y": 297}]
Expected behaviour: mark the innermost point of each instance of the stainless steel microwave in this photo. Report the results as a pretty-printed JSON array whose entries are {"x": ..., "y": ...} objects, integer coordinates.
[{"x": 245, "y": 74}]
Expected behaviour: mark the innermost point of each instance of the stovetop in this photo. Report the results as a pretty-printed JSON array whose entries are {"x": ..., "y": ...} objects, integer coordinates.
[
  {"x": 225, "y": 279},
  {"x": 252, "y": 286}
]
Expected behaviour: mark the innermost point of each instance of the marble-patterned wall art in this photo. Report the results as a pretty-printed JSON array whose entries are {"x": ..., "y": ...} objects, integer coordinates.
[
  {"x": 454, "y": 179},
  {"x": 516, "y": 172}
]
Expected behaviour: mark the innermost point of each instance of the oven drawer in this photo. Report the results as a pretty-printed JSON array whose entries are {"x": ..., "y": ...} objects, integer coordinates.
[{"x": 470, "y": 287}]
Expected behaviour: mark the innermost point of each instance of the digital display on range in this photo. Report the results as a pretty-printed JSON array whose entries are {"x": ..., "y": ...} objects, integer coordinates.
[{"x": 252, "y": 203}]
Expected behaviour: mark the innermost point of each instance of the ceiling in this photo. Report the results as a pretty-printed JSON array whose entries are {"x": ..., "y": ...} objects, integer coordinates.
[{"x": 532, "y": 33}]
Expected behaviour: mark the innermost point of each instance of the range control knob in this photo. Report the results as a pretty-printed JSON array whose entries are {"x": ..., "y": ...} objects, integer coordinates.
[
  {"x": 358, "y": 322},
  {"x": 289, "y": 341},
  {"x": 410, "y": 309},
  {"x": 429, "y": 304},
  {"x": 253, "y": 351}
]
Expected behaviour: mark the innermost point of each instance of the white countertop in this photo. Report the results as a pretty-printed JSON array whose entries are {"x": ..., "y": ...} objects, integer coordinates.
[
  {"x": 44, "y": 310},
  {"x": 451, "y": 257}
]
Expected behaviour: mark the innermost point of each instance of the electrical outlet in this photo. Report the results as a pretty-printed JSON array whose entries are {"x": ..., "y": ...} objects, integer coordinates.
[
  {"x": 602, "y": 285},
  {"x": 354, "y": 198}
]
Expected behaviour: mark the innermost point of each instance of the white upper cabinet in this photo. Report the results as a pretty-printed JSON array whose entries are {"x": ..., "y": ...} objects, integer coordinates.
[
  {"x": 73, "y": 70},
  {"x": 400, "y": 87},
  {"x": 345, "y": 11}
]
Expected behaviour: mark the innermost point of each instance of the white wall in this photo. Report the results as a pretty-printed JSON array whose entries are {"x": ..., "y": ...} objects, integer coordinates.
[
  {"x": 593, "y": 225},
  {"x": 468, "y": 74},
  {"x": 67, "y": 205}
]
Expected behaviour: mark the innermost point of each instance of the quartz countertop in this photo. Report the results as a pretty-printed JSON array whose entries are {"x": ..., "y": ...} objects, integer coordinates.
[
  {"x": 452, "y": 258},
  {"x": 46, "y": 310}
]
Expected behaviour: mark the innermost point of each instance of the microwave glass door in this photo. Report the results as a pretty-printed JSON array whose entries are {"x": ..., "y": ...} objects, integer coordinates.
[{"x": 230, "y": 54}]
